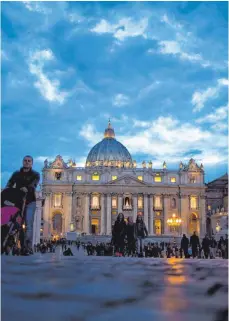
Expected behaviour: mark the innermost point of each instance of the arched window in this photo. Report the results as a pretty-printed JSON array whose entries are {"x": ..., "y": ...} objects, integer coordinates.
[{"x": 78, "y": 202}]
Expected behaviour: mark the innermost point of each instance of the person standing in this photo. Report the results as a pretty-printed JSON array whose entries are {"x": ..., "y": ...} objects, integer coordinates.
[
  {"x": 26, "y": 180},
  {"x": 194, "y": 243},
  {"x": 118, "y": 235},
  {"x": 206, "y": 246},
  {"x": 140, "y": 232},
  {"x": 131, "y": 238},
  {"x": 184, "y": 245}
]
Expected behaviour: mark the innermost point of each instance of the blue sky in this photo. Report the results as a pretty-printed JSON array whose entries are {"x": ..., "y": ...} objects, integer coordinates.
[{"x": 159, "y": 70}]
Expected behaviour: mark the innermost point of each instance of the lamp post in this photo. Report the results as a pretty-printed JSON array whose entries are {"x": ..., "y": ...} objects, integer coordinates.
[{"x": 174, "y": 222}]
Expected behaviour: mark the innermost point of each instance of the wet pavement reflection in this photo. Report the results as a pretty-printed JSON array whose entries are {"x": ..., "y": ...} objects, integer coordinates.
[{"x": 82, "y": 288}]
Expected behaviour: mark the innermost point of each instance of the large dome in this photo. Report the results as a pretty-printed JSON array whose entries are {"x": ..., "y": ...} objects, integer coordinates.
[{"x": 109, "y": 152}]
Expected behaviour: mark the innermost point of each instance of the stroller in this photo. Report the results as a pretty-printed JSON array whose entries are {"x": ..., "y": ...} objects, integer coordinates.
[{"x": 12, "y": 219}]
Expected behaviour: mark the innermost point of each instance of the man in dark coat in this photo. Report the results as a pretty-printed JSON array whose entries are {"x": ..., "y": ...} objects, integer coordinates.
[
  {"x": 26, "y": 180},
  {"x": 184, "y": 245},
  {"x": 141, "y": 232},
  {"x": 206, "y": 246},
  {"x": 131, "y": 237},
  {"x": 118, "y": 234},
  {"x": 194, "y": 242}
]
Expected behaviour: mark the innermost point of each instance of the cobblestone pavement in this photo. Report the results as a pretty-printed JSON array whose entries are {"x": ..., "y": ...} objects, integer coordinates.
[{"x": 81, "y": 288}]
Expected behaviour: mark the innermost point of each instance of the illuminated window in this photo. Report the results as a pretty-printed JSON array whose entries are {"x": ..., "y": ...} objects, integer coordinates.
[
  {"x": 95, "y": 177},
  {"x": 158, "y": 213},
  {"x": 95, "y": 202},
  {"x": 173, "y": 179},
  {"x": 192, "y": 180},
  {"x": 140, "y": 178},
  {"x": 209, "y": 207},
  {"x": 114, "y": 202},
  {"x": 140, "y": 202},
  {"x": 157, "y": 227},
  {"x": 114, "y": 178},
  {"x": 57, "y": 200},
  {"x": 79, "y": 178},
  {"x": 157, "y": 201},
  {"x": 157, "y": 179},
  {"x": 193, "y": 202}
]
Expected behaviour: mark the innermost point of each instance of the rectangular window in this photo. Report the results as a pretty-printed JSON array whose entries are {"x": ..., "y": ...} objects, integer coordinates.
[
  {"x": 95, "y": 202},
  {"x": 157, "y": 202},
  {"x": 114, "y": 202},
  {"x": 95, "y": 177},
  {"x": 157, "y": 179},
  {"x": 193, "y": 202},
  {"x": 192, "y": 180},
  {"x": 114, "y": 178},
  {"x": 173, "y": 179},
  {"x": 140, "y": 178},
  {"x": 209, "y": 207},
  {"x": 57, "y": 200},
  {"x": 79, "y": 178},
  {"x": 140, "y": 202}
]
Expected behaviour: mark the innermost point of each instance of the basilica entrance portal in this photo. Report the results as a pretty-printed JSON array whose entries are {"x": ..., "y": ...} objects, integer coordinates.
[{"x": 95, "y": 226}]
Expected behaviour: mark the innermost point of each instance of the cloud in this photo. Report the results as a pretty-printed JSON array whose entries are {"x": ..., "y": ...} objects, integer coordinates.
[
  {"x": 174, "y": 48},
  {"x": 49, "y": 89},
  {"x": 219, "y": 114},
  {"x": 89, "y": 133},
  {"x": 172, "y": 23},
  {"x": 124, "y": 28},
  {"x": 146, "y": 90},
  {"x": 36, "y": 7},
  {"x": 120, "y": 100},
  {"x": 166, "y": 138},
  {"x": 199, "y": 98}
]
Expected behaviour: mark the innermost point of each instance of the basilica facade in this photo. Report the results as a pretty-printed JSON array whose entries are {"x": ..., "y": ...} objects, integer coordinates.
[{"x": 88, "y": 199}]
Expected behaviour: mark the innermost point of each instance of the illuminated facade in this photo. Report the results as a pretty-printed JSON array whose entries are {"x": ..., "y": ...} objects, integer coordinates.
[{"x": 88, "y": 199}]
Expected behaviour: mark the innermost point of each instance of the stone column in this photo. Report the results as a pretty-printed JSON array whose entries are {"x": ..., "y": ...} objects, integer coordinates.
[
  {"x": 102, "y": 223},
  {"x": 151, "y": 215},
  {"x": 146, "y": 211},
  {"x": 86, "y": 214},
  {"x": 37, "y": 222},
  {"x": 135, "y": 205},
  {"x": 120, "y": 197},
  {"x": 166, "y": 213},
  {"x": 46, "y": 217},
  {"x": 202, "y": 211},
  {"x": 108, "y": 214},
  {"x": 68, "y": 214},
  {"x": 184, "y": 213}
]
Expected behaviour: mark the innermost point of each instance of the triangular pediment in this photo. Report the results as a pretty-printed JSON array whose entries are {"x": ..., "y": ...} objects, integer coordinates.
[{"x": 126, "y": 180}]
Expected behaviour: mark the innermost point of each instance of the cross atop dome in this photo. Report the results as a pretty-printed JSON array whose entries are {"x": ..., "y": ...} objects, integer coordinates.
[{"x": 109, "y": 131}]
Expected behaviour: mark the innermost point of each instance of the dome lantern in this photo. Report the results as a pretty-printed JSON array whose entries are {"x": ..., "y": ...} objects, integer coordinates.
[{"x": 109, "y": 131}]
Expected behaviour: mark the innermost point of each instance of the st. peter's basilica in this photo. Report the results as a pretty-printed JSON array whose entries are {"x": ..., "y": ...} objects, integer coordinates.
[{"x": 88, "y": 199}]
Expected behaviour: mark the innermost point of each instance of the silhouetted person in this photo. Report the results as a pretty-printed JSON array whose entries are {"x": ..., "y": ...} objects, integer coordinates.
[{"x": 194, "y": 242}]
